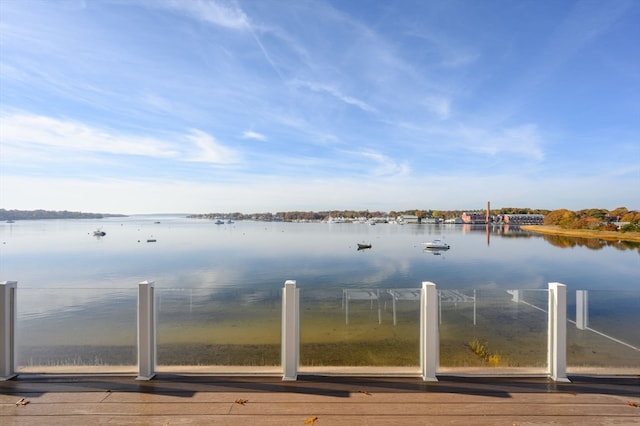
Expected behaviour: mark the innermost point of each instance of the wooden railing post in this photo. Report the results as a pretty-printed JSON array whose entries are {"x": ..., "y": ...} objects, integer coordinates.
[
  {"x": 557, "y": 332},
  {"x": 146, "y": 331},
  {"x": 429, "y": 344},
  {"x": 290, "y": 331},
  {"x": 8, "y": 329}
]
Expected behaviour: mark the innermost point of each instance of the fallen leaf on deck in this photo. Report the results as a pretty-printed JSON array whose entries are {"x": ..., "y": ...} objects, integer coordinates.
[
  {"x": 22, "y": 402},
  {"x": 311, "y": 420},
  {"x": 241, "y": 401},
  {"x": 633, "y": 404}
]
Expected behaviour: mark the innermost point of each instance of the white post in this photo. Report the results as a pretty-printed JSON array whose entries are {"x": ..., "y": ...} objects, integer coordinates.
[
  {"x": 429, "y": 344},
  {"x": 557, "y": 332},
  {"x": 8, "y": 329},
  {"x": 393, "y": 300},
  {"x": 474, "y": 306},
  {"x": 146, "y": 331},
  {"x": 582, "y": 309},
  {"x": 290, "y": 331}
]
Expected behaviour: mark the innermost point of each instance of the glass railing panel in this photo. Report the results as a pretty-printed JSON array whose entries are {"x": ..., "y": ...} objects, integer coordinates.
[
  {"x": 346, "y": 330},
  {"x": 207, "y": 329},
  {"x": 603, "y": 335},
  {"x": 76, "y": 330},
  {"x": 493, "y": 331}
]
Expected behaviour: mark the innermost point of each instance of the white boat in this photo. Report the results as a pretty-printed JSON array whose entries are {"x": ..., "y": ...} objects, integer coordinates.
[{"x": 436, "y": 245}]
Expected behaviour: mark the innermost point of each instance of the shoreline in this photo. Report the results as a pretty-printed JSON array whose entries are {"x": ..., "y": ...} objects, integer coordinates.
[{"x": 583, "y": 233}]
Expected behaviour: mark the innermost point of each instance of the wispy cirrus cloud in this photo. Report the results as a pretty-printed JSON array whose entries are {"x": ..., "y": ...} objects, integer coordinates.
[
  {"x": 336, "y": 93},
  {"x": 224, "y": 14},
  {"x": 29, "y": 130},
  {"x": 208, "y": 149},
  {"x": 250, "y": 134},
  {"x": 523, "y": 141},
  {"x": 383, "y": 165},
  {"x": 439, "y": 105},
  {"x": 24, "y": 132}
]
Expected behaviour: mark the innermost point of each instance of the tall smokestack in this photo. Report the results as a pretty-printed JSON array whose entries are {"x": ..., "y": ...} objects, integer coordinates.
[{"x": 488, "y": 210}]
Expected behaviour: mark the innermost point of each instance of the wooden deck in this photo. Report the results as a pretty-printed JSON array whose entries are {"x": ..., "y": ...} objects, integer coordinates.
[{"x": 319, "y": 400}]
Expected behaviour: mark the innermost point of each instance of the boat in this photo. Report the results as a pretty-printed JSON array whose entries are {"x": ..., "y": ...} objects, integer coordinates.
[
  {"x": 99, "y": 233},
  {"x": 362, "y": 246},
  {"x": 436, "y": 245}
]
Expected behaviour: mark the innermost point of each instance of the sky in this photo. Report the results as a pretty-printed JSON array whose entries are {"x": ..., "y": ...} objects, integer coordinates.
[{"x": 196, "y": 106}]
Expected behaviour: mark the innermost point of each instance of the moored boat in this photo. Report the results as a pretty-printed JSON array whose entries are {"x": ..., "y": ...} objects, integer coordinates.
[
  {"x": 362, "y": 246},
  {"x": 436, "y": 245}
]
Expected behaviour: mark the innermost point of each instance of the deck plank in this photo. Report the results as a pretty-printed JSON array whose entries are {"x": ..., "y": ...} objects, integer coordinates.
[{"x": 180, "y": 400}]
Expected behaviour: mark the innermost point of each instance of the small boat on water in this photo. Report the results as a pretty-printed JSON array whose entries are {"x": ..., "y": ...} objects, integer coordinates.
[
  {"x": 99, "y": 233},
  {"x": 436, "y": 245},
  {"x": 363, "y": 246}
]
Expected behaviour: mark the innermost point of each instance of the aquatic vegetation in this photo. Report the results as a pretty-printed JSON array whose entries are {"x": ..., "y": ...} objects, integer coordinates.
[{"x": 481, "y": 349}]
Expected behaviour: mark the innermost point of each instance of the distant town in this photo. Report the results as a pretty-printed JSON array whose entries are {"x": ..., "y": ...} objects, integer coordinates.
[{"x": 619, "y": 219}]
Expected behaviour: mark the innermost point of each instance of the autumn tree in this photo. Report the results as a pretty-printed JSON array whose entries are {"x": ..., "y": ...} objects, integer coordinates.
[{"x": 562, "y": 217}]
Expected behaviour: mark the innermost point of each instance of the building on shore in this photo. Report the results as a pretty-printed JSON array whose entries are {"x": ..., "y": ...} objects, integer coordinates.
[
  {"x": 474, "y": 217},
  {"x": 522, "y": 219}
]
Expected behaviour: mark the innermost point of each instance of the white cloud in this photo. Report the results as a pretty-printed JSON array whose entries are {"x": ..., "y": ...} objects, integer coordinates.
[
  {"x": 319, "y": 87},
  {"x": 250, "y": 134},
  {"x": 25, "y": 130},
  {"x": 224, "y": 14},
  {"x": 209, "y": 150},
  {"x": 523, "y": 141},
  {"x": 439, "y": 105},
  {"x": 384, "y": 165},
  {"x": 23, "y": 135}
]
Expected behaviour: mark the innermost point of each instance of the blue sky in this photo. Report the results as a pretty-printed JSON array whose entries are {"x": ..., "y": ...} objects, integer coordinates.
[{"x": 129, "y": 106}]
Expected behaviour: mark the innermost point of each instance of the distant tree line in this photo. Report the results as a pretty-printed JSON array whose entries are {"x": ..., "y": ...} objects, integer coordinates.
[
  {"x": 49, "y": 214},
  {"x": 598, "y": 219}
]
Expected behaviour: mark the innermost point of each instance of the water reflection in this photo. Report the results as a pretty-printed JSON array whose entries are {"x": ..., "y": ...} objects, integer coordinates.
[
  {"x": 590, "y": 243},
  {"x": 197, "y": 253}
]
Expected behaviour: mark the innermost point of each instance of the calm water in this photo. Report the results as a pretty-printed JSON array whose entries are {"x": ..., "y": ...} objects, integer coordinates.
[
  {"x": 192, "y": 253},
  {"x": 214, "y": 280}
]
